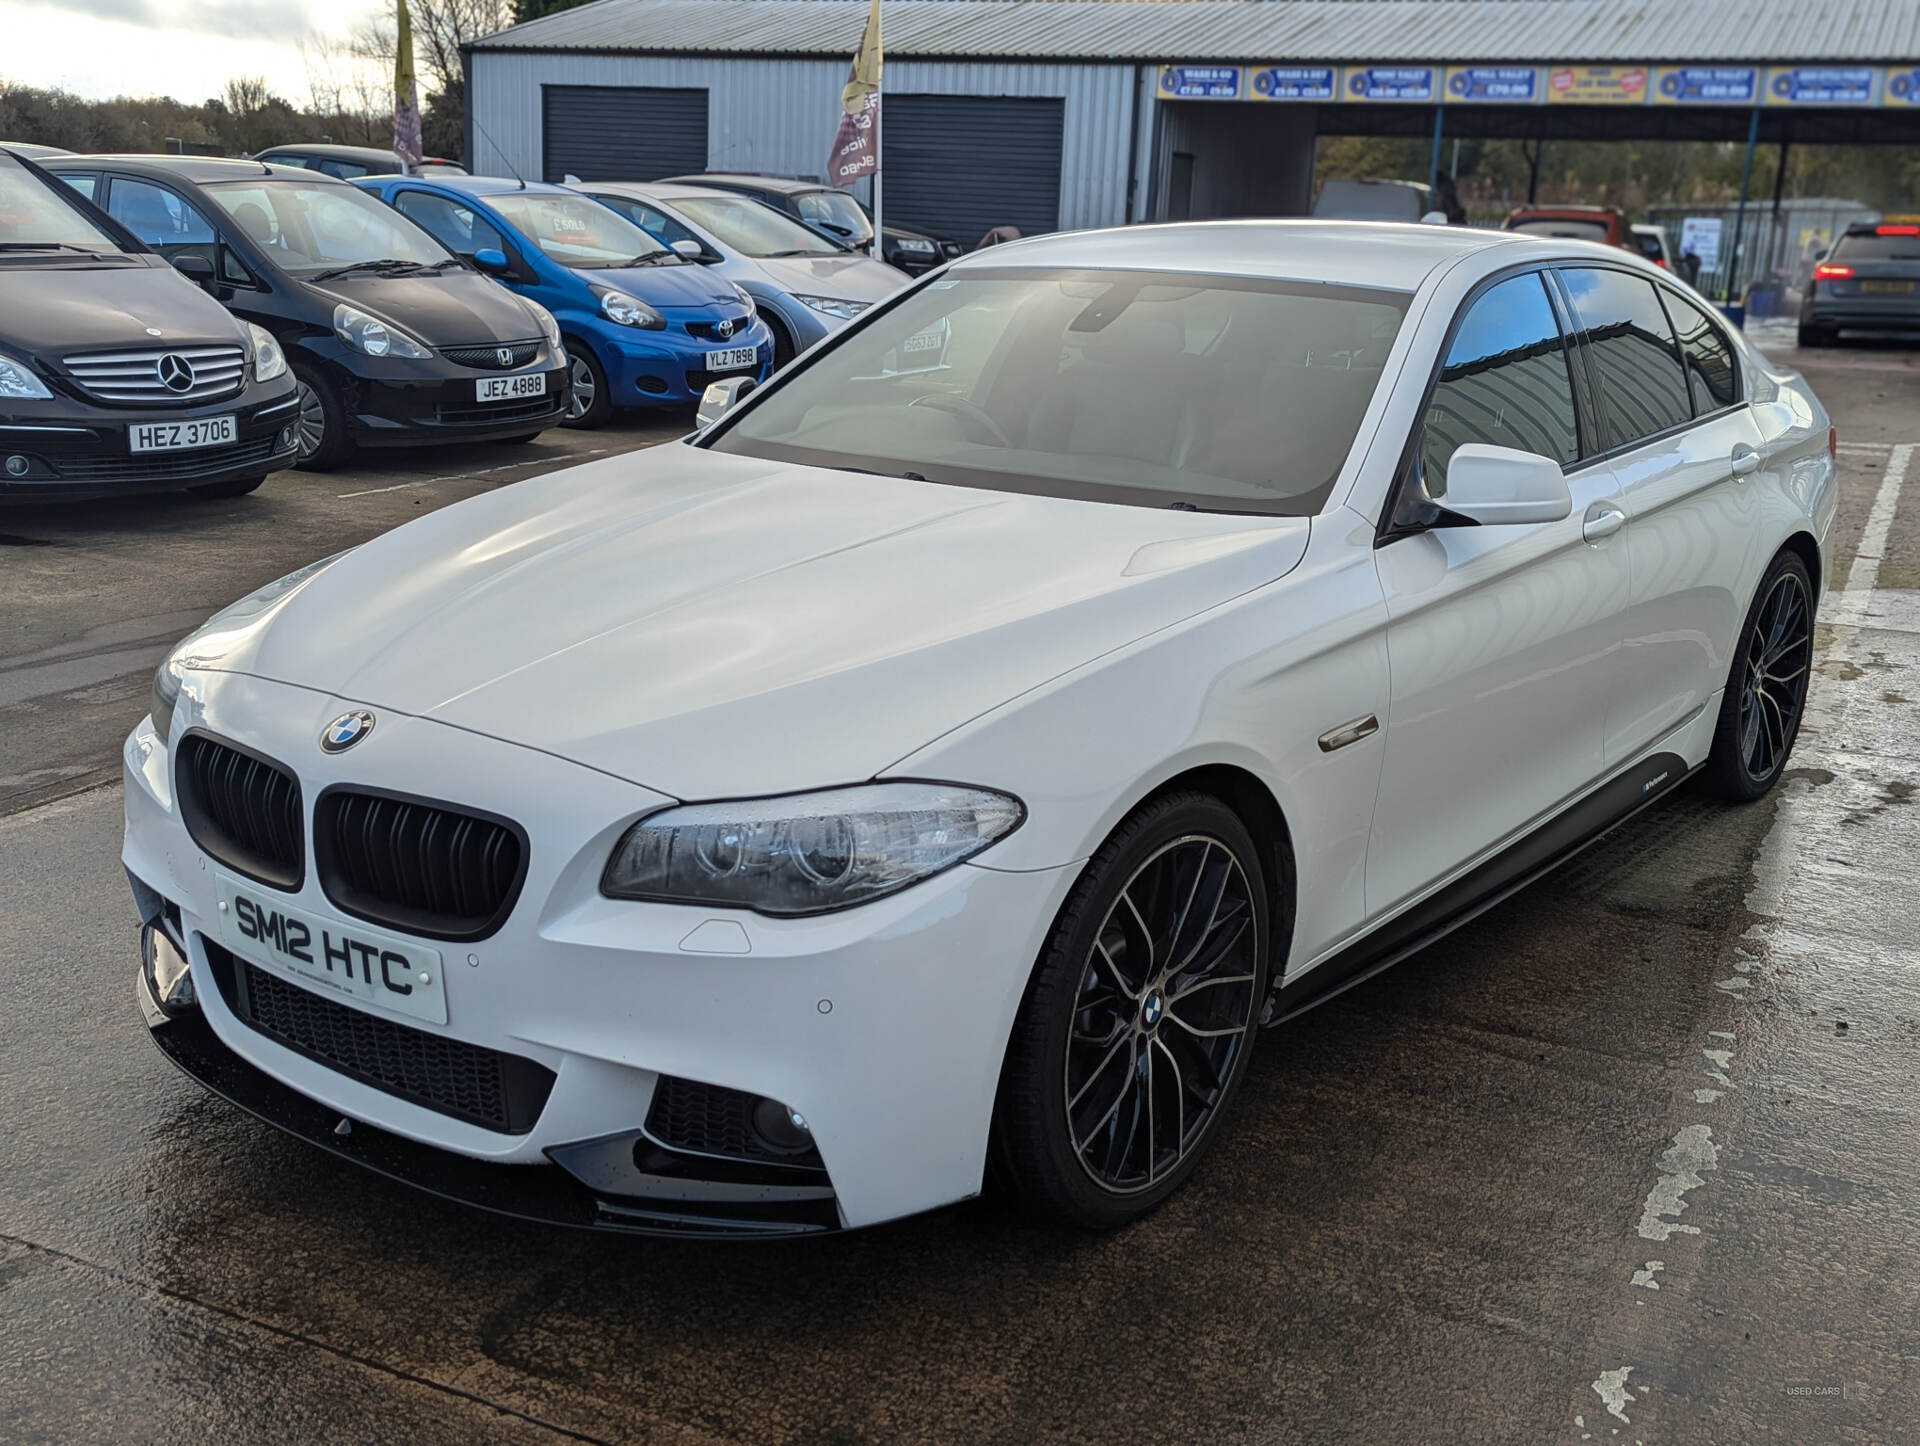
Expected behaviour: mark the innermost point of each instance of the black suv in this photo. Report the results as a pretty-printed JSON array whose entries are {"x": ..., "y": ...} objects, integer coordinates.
[
  {"x": 1869, "y": 281},
  {"x": 394, "y": 340},
  {"x": 834, "y": 214},
  {"x": 116, "y": 373}
]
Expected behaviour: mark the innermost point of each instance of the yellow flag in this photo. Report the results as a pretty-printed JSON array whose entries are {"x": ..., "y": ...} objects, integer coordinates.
[
  {"x": 863, "y": 79},
  {"x": 855, "y": 153},
  {"x": 406, "y": 98}
]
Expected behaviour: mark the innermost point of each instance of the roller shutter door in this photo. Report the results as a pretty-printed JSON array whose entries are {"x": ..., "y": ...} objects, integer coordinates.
[
  {"x": 959, "y": 165},
  {"x": 621, "y": 133}
]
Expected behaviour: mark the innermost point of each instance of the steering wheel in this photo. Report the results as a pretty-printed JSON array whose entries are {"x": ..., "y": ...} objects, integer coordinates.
[{"x": 967, "y": 411}]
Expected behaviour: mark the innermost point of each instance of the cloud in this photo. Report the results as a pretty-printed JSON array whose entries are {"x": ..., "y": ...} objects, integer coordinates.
[{"x": 234, "y": 19}]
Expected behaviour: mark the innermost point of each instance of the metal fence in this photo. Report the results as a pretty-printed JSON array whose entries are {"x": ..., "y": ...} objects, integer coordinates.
[{"x": 1777, "y": 249}]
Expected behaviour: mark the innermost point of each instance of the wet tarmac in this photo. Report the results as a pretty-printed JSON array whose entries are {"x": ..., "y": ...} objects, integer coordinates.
[{"x": 1633, "y": 1158}]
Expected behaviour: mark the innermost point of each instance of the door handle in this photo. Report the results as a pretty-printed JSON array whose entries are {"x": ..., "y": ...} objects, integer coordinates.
[
  {"x": 1745, "y": 460},
  {"x": 1603, "y": 520}
]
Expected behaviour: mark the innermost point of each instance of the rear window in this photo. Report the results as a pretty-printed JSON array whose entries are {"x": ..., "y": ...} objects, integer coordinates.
[
  {"x": 1878, "y": 248},
  {"x": 1649, "y": 246},
  {"x": 1563, "y": 227}
]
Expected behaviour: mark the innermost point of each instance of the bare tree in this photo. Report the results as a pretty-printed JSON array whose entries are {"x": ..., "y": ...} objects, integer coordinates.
[
  {"x": 440, "y": 28},
  {"x": 350, "y": 96}
]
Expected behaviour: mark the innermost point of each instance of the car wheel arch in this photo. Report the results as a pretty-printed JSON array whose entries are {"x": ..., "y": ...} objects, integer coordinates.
[{"x": 1802, "y": 542}]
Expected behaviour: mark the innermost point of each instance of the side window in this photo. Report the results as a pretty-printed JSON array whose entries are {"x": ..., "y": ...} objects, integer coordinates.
[
  {"x": 164, "y": 221},
  {"x": 345, "y": 170},
  {"x": 1711, "y": 370},
  {"x": 657, "y": 224},
  {"x": 454, "y": 226},
  {"x": 87, "y": 186},
  {"x": 1504, "y": 382},
  {"x": 1634, "y": 360}
]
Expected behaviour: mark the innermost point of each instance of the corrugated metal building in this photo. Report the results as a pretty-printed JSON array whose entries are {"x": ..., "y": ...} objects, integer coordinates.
[{"x": 1070, "y": 113}]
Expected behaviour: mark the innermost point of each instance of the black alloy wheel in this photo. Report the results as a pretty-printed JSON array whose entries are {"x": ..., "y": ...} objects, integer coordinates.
[
  {"x": 1767, "y": 690},
  {"x": 1140, "y": 1019}
]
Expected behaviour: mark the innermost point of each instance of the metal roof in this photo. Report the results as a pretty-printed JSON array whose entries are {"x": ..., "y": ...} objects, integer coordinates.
[{"x": 1253, "y": 30}]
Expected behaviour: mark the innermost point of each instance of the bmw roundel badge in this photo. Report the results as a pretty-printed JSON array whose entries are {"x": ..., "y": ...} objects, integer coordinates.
[{"x": 345, "y": 731}]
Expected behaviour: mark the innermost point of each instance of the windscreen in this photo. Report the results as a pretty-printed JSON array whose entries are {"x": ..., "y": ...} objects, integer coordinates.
[
  {"x": 34, "y": 218},
  {"x": 309, "y": 226},
  {"x": 753, "y": 229},
  {"x": 1150, "y": 388},
  {"x": 838, "y": 212},
  {"x": 575, "y": 230},
  {"x": 1566, "y": 228}
]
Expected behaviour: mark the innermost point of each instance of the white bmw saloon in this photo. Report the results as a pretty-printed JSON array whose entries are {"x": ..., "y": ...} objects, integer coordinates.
[{"x": 934, "y": 774}]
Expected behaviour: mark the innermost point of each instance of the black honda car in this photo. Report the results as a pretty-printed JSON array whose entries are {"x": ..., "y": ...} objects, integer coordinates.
[
  {"x": 117, "y": 374},
  {"x": 394, "y": 341}
]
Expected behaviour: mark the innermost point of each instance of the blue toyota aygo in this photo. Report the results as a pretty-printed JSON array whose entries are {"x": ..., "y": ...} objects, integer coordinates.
[{"x": 643, "y": 325}]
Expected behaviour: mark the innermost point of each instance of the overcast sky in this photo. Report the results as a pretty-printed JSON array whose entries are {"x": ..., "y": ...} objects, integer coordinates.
[{"x": 184, "y": 48}]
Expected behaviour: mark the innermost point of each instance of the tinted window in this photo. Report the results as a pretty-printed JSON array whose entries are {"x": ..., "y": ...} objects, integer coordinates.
[
  {"x": 1566, "y": 228},
  {"x": 1709, "y": 356},
  {"x": 1633, "y": 356},
  {"x": 454, "y": 226},
  {"x": 164, "y": 221},
  {"x": 1504, "y": 383},
  {"x": 300, "y": 161},
  {"x": 1650, "y": 246},
  {"x": 345, "y": 170},
  {"x": 1877, "y": 248},
  {"x": 1147, "y": 388}
]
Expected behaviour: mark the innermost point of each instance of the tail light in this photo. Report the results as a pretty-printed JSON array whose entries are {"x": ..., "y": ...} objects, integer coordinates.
[
  {"x": 1827, "y": 271},
  {"x": 1833, "y": 444},
  {"x": 1896, "y": 230}
]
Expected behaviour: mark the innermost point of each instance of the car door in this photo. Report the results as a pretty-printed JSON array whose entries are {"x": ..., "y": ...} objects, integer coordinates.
[
  {"x": 1504, "y": 641},
  {"x": 1678, "y": 441}
]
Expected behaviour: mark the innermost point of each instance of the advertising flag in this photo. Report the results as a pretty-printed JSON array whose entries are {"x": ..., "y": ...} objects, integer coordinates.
[
  {"x": 856, "y": 144},
  {"x": 406, "y": 99}
]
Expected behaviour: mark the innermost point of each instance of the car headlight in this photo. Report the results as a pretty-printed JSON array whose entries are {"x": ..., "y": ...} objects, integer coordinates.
[
  {"x": 549, "y": 328},
  {"x": 832, "y": 306},
  {"x": 807, "y": 853},
  {"x": 268, "y": 360},
  {"x": 17, "y": 380},
  {"x": 914, "y": 244},
  {"x": 617, "y": 306},
  {"x": 206, "y": 644},
  {"x": 373, "y": 336}
]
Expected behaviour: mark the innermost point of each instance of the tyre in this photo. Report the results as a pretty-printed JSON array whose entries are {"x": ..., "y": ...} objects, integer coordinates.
[
  {"x": 1139, "y": 1020},
  {"x": 324, "y": 443},
  {"x": 238, "y": 488},
  {"x": 590, "y": 401},
  {"x": 1816, "y": 336},
  {"x": 1767, "y": 686},
  {"x": 783, "y": 347}
]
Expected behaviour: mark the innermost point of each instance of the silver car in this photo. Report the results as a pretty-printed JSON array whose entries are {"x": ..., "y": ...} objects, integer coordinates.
[{"x": 804, "y": 285}]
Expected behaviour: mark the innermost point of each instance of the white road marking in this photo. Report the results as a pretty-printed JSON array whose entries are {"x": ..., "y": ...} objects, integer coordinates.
[
  {"x": 466, "y": 476},
  {"x": 1706, "y": 1097},
  {"x": 1850, "y": 605},
  {"x": 1645, "y": 1277},
  {"x": 1686, "y": 1160}
]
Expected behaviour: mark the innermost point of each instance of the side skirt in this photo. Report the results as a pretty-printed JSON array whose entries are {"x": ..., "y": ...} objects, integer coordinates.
[{"x": 1568, "y": 833}]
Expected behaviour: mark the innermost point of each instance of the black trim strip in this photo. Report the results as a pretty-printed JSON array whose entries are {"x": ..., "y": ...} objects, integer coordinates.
[{"x": 1561, "y": 837}]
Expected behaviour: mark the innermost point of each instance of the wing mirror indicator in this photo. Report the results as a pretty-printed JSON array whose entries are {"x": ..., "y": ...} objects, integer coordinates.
[
  {"x": 1504, "y": 487},
  {"x": 722, "y": 397}
]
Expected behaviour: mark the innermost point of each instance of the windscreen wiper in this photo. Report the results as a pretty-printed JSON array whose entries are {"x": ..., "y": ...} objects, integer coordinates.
[
  {"x": 387, "y": 267},
  {"x": 50, "y": 246},
  {"x": 654, "y": 258}
]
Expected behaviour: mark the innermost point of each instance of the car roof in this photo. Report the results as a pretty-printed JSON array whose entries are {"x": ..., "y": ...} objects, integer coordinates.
[
  {"x": 199, "y": 169},
  {"x": 1388, "y": 255},
  {"x": 662, "y": 190},
  {"x": 481, "y": 185},
  {"x": 336, "y": 152},
  {"x": 1570, "y": 209},
  {"x": 32, "y": 150},
  {"x": 728, "y": 179}
]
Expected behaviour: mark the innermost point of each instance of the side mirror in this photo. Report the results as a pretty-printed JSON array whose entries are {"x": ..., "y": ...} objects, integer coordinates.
[
  {"x": 722, "y": 397},
  {"x": 1434, "y": 218},
  {"x": 1500, "y": 486},
  {"x": 691, "y": 249},
  {"x": 491, "y": 259},
  {"x": 196, "y": 269}
]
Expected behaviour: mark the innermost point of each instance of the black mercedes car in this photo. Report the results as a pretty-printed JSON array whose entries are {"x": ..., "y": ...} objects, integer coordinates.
[
  {"x": 117, "y": 374},
  {"x": 1869, "y": 281},
  {"x": 394, "y": 341},
  {"x": 835, "y": 214}
]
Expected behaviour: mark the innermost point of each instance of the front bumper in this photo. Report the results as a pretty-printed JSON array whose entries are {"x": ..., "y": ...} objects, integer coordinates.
[
  {"x": 421, "y": 402},
  {"x": 669, "y": 368},
  {"x": 884, "y": 1026},
  {"x": 64, "y": 449}
]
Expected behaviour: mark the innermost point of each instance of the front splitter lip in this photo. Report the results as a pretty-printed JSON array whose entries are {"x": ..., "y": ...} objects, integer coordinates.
[{"x": 545, "y": 1194}]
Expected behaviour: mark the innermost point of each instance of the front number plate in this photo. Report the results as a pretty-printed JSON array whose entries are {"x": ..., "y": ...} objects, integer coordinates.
[
  {"x": 513, "y": 388},
  {"x": 731, "y": 360},
  {"x": 368, "y": 966},
  {"x": 180, "y": 436}
]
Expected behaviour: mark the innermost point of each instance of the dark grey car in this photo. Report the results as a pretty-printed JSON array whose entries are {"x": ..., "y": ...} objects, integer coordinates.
[{"x": 1869, "y": 281}]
